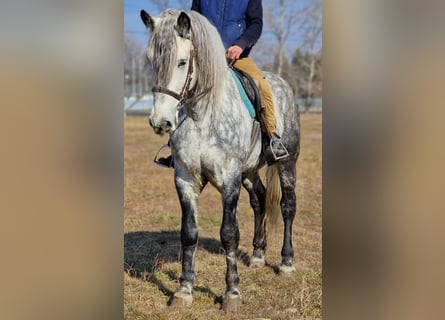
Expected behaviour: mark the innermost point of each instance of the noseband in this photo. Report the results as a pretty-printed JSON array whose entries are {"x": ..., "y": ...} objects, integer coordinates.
[{"x": 182, "y": 96}]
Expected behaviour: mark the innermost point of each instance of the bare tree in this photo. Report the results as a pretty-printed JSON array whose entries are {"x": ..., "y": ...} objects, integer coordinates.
[
  {"x": 135, "y": 67},
  {"x": 311, "y": 29},
  {"x": 281, "y": 17},
  {"x": 132, "y": 48}
]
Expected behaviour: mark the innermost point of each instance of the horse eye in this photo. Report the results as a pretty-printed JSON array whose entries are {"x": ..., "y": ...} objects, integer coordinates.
[{"x": 182, "y": 63}]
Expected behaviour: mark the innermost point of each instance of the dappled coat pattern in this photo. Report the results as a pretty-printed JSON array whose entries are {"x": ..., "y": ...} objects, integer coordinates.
[{"x": 214, "y": 140}]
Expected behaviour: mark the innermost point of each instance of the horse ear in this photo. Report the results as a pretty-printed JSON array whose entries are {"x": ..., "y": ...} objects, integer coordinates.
[
  {"x": 149, "y": 22},
  {"x": 183, "y": 25}
]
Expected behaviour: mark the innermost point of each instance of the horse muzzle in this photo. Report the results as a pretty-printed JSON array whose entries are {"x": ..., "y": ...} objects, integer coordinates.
[{"x": 161, "y": 127}]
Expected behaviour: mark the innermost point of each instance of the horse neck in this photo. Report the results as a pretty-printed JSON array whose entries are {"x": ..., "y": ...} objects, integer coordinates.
[{"x": 211, "y": 104}]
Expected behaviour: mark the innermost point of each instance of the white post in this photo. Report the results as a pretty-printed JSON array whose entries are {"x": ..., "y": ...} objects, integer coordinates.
[
  {"x": 140, "y": 78},
  {"x": 133, "y": 75}
]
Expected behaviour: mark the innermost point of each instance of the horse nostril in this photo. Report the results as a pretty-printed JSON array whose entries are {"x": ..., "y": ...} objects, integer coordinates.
[
  {"x": 167, "y": 125},
  {"x": 150, "y": 122}
]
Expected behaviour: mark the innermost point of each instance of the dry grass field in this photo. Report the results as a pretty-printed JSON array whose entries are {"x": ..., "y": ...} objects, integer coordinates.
[{"x": 152, "y": 225}]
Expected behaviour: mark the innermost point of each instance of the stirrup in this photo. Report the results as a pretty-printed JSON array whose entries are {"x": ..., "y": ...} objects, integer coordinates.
[
  {"x": 274, "y": 141},
  {"x": 158, "y": 161}
]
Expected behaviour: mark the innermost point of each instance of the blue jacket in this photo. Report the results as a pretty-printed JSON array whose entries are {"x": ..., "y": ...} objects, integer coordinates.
[{"x": 239, "y": 22}]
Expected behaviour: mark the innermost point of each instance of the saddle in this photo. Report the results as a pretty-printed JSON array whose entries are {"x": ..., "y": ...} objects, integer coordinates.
[{"x": 251, "y": 89}]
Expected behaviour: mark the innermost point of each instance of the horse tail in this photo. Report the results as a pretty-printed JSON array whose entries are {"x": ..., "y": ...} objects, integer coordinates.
[{"x": 273, "y": 196}]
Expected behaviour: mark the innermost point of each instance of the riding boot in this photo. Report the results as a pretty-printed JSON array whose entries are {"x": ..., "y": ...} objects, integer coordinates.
[{"x": 166, "y": 162}]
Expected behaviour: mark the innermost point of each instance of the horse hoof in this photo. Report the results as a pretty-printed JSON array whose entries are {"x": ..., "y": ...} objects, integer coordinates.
[
  {"x": 256, "y": 262},
  {"x": 181, "y": 300},
  {"x": 286, "y": 270},
  {"x": 231, "y": 302}
]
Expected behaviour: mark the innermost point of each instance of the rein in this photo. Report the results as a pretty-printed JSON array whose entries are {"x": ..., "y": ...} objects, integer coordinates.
[{"x": 182, "y": 97}]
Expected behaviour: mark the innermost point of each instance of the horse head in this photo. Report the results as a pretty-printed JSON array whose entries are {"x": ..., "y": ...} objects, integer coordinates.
[{"x": 172, "y": 55}]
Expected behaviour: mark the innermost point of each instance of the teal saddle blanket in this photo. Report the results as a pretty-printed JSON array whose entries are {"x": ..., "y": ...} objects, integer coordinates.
[{"x": 243, "y": 94}]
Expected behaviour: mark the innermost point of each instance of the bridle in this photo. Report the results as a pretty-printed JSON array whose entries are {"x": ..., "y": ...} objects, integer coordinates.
[{"x": 182, "y": 97}]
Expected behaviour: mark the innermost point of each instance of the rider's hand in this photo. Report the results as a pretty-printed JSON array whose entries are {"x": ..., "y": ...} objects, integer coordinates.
[{"x": 234, "y": 52}]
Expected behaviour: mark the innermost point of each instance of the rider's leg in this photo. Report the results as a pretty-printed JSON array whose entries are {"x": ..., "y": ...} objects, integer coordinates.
[{"x": 248, "y": 65}]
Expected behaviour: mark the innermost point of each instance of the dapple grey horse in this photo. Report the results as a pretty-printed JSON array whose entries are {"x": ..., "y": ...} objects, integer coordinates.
[{"x": 216, "y": 140}]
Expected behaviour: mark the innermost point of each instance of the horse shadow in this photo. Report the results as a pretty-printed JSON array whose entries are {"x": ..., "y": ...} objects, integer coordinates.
[{"x": 145, "y": 252}]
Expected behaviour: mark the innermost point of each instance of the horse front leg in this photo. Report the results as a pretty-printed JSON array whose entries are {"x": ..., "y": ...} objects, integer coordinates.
[
  {"x": 188, "y": 192},
  {"x": 230, "y": 239}
]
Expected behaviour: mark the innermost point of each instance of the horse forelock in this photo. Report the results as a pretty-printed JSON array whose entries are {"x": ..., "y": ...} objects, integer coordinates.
[
  {"x": 162, "y": 51},
  {"x": 210, "y": 60}
]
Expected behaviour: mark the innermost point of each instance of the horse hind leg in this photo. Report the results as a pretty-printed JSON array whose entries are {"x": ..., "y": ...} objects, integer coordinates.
[
  {"x": 256, "y": 191},
  {"x": 287, "y": 173}
]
